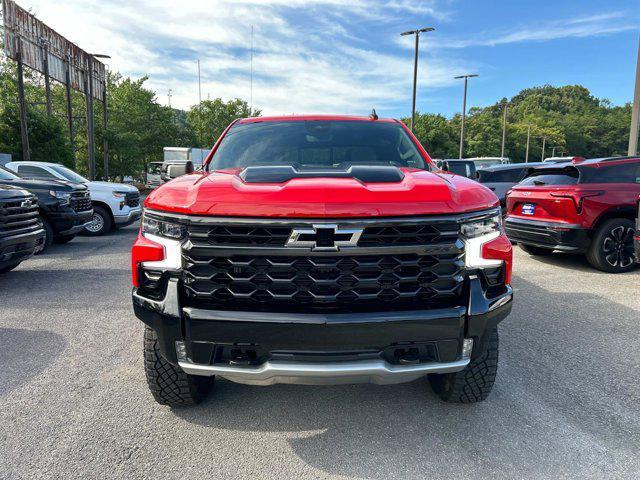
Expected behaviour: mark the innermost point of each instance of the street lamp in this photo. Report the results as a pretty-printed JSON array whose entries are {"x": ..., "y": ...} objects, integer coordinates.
[
  {"x": 415, "y": 66},
  {"x": 464, "y": 109},
  {"x": 635, "y": 111},
  {"x": 504, "y": 128}
]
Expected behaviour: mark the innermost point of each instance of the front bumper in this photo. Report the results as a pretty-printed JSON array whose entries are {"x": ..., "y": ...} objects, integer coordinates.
[
  {"x": 552, "y": 235},
  {"x": 321, "y": 348},
  {"x": 133, "y": 215},
  {"x": 69, "y": 222},
  {"x": 17, "y": 248}
]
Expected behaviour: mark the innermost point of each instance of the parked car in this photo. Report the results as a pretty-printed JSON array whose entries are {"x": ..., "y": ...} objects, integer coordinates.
[
  {"x": 482, "y": 162},
  {"x": 466, "y": 168},
  {"x": 501, "y": 178},
  {"x": 586, "y": 206},
  {"x": 114, "y": 204},
  {"x": 64, "y": 207},
  {"x": 561, "y": 159},
  {"x": 152, "y": 178},
  {"x": 317, "y": 250},
  {"x": 21, "y": 231}
]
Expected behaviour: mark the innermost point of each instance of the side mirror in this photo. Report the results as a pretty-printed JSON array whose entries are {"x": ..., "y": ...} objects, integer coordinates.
[{"x": 176, "y": 170}]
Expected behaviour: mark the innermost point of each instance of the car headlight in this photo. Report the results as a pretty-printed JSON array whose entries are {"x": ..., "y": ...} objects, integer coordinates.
[
  {"x": 119, "y": 194},
  {"x": 477, "y": 233},
  {"x": 61, "y": 195},
  {"x": 162, "y": 228}
]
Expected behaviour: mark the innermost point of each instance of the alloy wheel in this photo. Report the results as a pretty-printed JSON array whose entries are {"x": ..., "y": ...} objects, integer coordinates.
[
  {"x": 618, "y": 247},
  {"x": 97, "y": 223}
]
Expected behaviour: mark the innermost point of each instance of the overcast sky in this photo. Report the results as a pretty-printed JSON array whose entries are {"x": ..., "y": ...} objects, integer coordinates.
[{"x": 346, "y": 56}]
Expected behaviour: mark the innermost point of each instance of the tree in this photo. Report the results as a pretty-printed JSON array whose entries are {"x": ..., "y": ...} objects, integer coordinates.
[{"x": 212, "y": 117}]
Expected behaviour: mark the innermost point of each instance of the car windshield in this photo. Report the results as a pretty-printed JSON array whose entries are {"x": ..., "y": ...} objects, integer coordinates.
[
  {"x": 8, "y": 175},
  {"x": 511, "y": 175},
  {"x": 154, "y": 168},
  {"x": 68, "y": 174},
  {"x": 461, "y": 168},
  {"x": 323, "y": 144},
  {"x": 548, "y": 176}
]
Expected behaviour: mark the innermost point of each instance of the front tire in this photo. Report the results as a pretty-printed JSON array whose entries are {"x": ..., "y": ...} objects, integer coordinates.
[
  {"x": 101, "y": 222},
  {"x": 167, "y": 382},
  {"x": 48, "y": 236},
  {"x": 64, "y": 238},
  {"x": 611, "y": 248},
  {"x": 475, "y": 382},
  {"x": 535, "y": 251}
]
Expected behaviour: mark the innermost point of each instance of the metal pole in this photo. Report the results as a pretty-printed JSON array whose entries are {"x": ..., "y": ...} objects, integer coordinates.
[
  {"x": 88, "y": 92},
  {"x": 526, "y": 155},
  {"x": 24, "y": 133},
  {"x": 544, "y": 141},
  {"x": 415, "y": 80},
  {"x": 553, "y": 152},
  {"x": 635, "y": 111},
  {"x": 251, "y": 81},
  {"x": 105, "y": 141},
  {"x": 67, "y": 86},
  {"x": 464, "y": 113},
  {"x": 504, "y": 129},
  {"x": 199, "y": 106},
  {"x": 45, "y": 68}
]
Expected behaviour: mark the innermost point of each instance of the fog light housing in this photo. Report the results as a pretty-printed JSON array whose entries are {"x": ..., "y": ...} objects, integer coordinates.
[
  {"x": 181, "y": 351},
  {"x": 467, "y": 347}
]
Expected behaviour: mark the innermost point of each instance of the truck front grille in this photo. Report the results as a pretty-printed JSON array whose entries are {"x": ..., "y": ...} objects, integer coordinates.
[
  {"x": 81, "y": 201},
  {"x": 396, "y": 264},
  {"x": 132, "y": 199},
  {"x": 19, "y": 216}
]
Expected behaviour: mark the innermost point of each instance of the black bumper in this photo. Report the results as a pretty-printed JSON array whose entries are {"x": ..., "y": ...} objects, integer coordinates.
[
  {"x": 342, "y": 336},
  {"x": 18, "y": 248},
  {"x": 69, "y": 222},
  {"x": 552, "y": 235}
]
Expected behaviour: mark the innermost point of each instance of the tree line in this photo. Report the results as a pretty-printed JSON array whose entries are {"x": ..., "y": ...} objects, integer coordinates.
[{"x": 569, "y": 117}]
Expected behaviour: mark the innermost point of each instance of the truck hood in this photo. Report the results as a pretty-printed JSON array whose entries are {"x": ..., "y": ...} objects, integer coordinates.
[
  {"x": 111, "y": 187},
  {"x": 7, "y": 192},
  {"x": 30, "y": 184},
  {"x": 224, "y": 193}
]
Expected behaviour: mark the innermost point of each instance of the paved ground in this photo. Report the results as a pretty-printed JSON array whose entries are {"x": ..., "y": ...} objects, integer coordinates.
[{"x": 74, "y": 403}]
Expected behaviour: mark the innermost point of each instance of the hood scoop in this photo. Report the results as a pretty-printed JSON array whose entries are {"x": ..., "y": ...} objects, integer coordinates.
[{"x": 362, "y": 173}]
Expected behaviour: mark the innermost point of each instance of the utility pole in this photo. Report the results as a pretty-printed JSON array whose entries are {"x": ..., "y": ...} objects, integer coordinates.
[
  {"x": 544, "y": 141},
  {"x": 199, "y": 106},
  {"x": 526, "y": 155},
  {"x": 24, "y": 133},
  {"x": 88, "y": 93},
  {"x": 105, "y": 118},
  {"x": 504, "y": 128},
  {"x": 251, "y": 77},
  {"x": 553, "y": 152},
  {"x": 635, "y": 112},
  {"x": 67, "y": 87},
  {"x": 45, "y": 68},
  {"x": 415, "y": 67},
  {"x": 464, "y": 110},
  {"x": 169, "y": 97}
]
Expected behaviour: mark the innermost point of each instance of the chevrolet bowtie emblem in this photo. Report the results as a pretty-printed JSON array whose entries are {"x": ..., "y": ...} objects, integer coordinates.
[{"x": 327, "y": 237}]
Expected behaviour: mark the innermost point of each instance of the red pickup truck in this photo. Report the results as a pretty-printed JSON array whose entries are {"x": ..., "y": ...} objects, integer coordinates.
[
  {"x": 320, "y": 250},
  {"x": 583, "y": 206}
]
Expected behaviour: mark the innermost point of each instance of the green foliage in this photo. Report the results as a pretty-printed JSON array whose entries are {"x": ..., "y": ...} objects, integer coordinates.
[
  {"x": 570, "y": 118},
  {"x": 211, "y": 117}
]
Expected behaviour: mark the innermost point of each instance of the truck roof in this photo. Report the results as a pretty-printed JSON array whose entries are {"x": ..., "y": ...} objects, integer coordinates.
[{"x": 301, "y": 118}]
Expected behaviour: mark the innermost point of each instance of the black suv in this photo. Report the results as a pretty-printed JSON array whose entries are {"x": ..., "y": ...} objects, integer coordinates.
[
  {"x": 64, "y": 207},
  {"x": 21, "y": 231}
]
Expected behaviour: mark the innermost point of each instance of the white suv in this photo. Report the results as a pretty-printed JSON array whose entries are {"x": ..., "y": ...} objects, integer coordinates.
[{"x": 114, "y": 204}]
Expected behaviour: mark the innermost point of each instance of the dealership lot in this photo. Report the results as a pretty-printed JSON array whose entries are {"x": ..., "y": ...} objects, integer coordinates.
[{"x": 74, "y": 402}]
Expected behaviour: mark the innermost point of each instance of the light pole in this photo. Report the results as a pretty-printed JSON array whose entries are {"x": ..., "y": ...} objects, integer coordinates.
[
  {"x": 464, "y": 109},
  {"x": 415, "y": 67},
  {"x": 635, "y": 111},
  {"x": 544, "y": 141},
  {"x": 105, "y": 142},
  {"x": 504, "y": 128},
  {"x": 526, "y": 155}
]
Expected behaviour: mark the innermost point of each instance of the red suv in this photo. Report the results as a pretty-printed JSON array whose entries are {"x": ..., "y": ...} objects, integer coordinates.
[{"x": 584, "y": 206}]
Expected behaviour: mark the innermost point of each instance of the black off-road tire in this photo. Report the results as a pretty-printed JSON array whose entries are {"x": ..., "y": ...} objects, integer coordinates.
[
  {"x": 48, "y": 236},
  {"x": 167, "y": 382},
  {"x": 474, "y": 383},
  {"x": 535, "y": 251},
  {"x": 602, "y": 253}
]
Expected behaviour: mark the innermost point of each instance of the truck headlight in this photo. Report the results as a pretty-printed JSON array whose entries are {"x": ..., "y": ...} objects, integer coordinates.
[
  {"x": 162, "y": 228},
  {"x": 61, "y": 195},
  {"x": 477, "y": 233}
]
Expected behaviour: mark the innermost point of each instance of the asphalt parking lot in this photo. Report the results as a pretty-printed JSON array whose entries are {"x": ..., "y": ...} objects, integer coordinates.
[{"x": 74, "y": 402}]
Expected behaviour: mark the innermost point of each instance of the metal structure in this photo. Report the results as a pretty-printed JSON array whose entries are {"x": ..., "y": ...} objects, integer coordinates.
[
  {"x": 504, "y": 128},
  {"x": 464, "y": 109},
  {"x": 526, "y": 155},
  {"x": 635, "y": 111},
  {"x": 33, "y": 44},
  {"x": 415, "y": 67}
]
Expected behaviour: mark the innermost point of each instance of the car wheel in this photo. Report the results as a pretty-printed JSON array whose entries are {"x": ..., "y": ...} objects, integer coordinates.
[
  {"x": 169, "y": 384},
  {"x": 48, "y": 237},
  {"x": 535, "y": 251},
  {"x": 100, "y": 223},
  {"x": 64, "y": 238},
  {"x": 475, "y": 382},
  {"x": 611, "y": 248}
]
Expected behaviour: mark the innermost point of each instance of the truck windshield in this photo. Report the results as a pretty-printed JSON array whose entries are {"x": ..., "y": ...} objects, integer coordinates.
[
  {"x": 68, "y": 174},
  {"x": 323, "y": 144},
  {"x": 7, "y": 175}
]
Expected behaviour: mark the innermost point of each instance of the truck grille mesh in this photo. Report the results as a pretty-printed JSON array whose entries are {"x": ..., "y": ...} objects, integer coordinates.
[
  {"x": 17, "y": 218},
  {"x": 81, "y": 201}
]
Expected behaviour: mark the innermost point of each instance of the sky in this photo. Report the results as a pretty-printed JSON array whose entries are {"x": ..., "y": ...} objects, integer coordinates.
[{"x": 347, "y": 56}]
